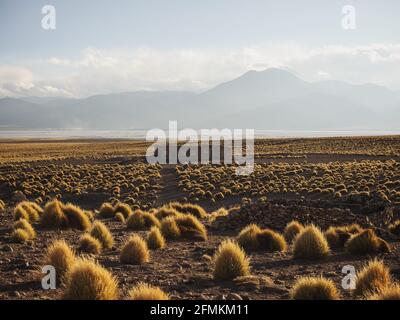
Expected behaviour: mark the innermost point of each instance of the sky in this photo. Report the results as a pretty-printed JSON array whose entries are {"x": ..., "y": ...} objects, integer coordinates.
[{"x": 101, "y": 46}]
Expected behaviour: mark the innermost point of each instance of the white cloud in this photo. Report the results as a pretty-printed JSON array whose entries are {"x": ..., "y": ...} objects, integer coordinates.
[{"x": 103, "y": 71}]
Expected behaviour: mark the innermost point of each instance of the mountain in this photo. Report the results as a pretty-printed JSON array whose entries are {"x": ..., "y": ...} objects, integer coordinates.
[{"x": 269, "y": 99}]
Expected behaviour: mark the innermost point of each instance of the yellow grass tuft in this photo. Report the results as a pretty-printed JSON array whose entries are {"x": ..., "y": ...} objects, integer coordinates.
[
  {"x": 135, "y": 251},
  {"x": 169, "y": 228},
  {"x": 29, "y": 211},
  {"x": 119, "y": 217},
  {"x": 61, "y": 256},
  {"x": 155, "y": 239},
  {"x": 101, "y": 233},
  {"x": 20, "y": 235},
  {"x": 338, "y": 236},
  {"x": 292, "y": 229},
  {"x": 375, "y": 276},
  {"x": 26, "y": 226},
  {"x": 143, "y": 291},
  {"x": 230, "y": 261},
  {"x": 388, "y": 293},
  {"x": 165, "y": 212},
  {"x": 271, "y": 241},
  {"x": 366, "y": 242},
  {"x": 248, "y": 237},
  {"x": 87, "y": 280},
  {"x": 77, "y": 218},
  {"x": 190, "y": 227},
  {"x": 310, "y": 244},
  {"x": 53, "y": 215},
  {"x": 124, "y": 209},
  {"x": 314, "y": 288},
  {"x": 189, "y": 208},
  {"x": 89, "y": 244},
  {"x": 140, "y": 220},
  {"x": 106, "y": 211}
]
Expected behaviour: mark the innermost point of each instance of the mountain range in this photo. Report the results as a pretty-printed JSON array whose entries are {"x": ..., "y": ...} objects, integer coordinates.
[{"x": 272, "y": 99}]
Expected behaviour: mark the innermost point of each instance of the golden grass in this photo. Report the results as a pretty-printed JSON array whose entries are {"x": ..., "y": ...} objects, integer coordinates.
[
  {"x": 106, "y": 211},
  {"x": 189, "y": 208},
  {"x": 62, "y": 257},
  {"x": 314, "y": 288},
  {"x": 53, "y": 215},
  {"x": 366, "y": 242},
  {"x": 271, "y": 241},
  {"x": 310, "y": 244},
  {"x": 119, "y": 217},
  {"x": 20, "y": 235},
  {"x": 375, "y": 276},
  {"x": 395, "y": 228},
  {"x": 169, "y": 228},
  {"x": 248, "y": 237},
  {"x": 143, "y": 291},
  {"x": 388, "y": 293},
  {"x": 155, "y": 239},
  {"x": 230, "y": 261},
  {"x": 87, "y": 280},
  {"x": 190, "y": 227},
  {"x": 89, "y": 244},
  {"x": 292, "y": 229},
  {"x": 140, "y": 220},
  {"x": 135, "y": 251},
  {"x": 26, "y": 226},
  {"x": 100, "y": 232},
  {"x": 77, "y": 218},
  {"x": 123, "y": 208}
]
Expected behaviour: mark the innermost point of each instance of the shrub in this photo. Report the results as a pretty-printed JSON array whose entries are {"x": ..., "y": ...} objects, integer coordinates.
[
  {"x": 135, "y": 251},
  {"x": 106, "y": 211},
  {"x": 169, "y": 228},
  {"x": 388, "y": 293},
  {"x": 395, "y": 228},
  {"x": 61, "y": 257},
  {"x": 77, "y": 218},
  {"x": 143, "y": 291},
  {"x": 338, "y": 236},
  {"x": 230, "y": 261},
  {"x": 119, "y": 217},
  {"x": 373, "y": 277},
  {"x": 310, "y": 244},
  {"x": 140, "y": 220},
  {"x": 191, "y": 228},
  {"x": 155, "y": 239},
  {"x": 248, "y": 237},
  {"x": 124, "y": 209},
  {"x": 366, "y": 242},
  {"x": 189, "y": 208},
  {"x": 292, "y": 229},
  {"x": 165, "y": 212},
  {"x": 20, "y": 235},
  {"x": 26, "y": 226},
  {"x": 271, "y": 241},
  {"x": 101, "y": 233},
  {"x": 89, "y": 281},
  {"x": 89, "y": 244},
  {"x": 53, "y": 215},
  {"x": 310, "y": 288}
]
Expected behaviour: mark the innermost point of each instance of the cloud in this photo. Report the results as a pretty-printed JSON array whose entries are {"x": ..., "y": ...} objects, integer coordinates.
[{"x": 97, "y": 71}]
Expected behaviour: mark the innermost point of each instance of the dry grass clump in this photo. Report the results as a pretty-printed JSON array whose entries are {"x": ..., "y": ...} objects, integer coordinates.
[
  {"x": 26, "y": 226},
  {"x": 2, "y": 205},
  {"x": 338, "y": 236},
  {"x": 87, "y": 280},
  {"x": 106, "y": 211},
  {"x": 119, "y": 217},
  {"x": 366, "y": 242},
  {"x": 135, "y": 251},
  {"x": 101, "y": 233},
  {"x": 292, "y": 229},
  {"x": 388, "y": 293},
  {"x": 143, "y": 291},
  {"x": 155, "y": 239},
  {"x": 271, "y": 241},
  {"x": 20, "y": 235},
  {"x": 165, "y": 212},
  {"x": 191, "y": 228},
  {"x": 375, "y": 276},
  {"x": 89, "y": 244},
  {"x": 395, "y": 228},
  {"x": 310, "y": 244},
  {"x": 61, "y": 256},
  {"x": 29, "y": 211},
  {"x": 314, "y": 288},
  {"x": 189, "y": 208},
  {"x": 77, "y": 218},
  {"x": 169, "y": 228},
  {"x": 248, "y": 237},
  {"x": 140, "y": 220},
  {"x": 53, "y": 215},
  {"x": 124, "y": 209},
  {"x": 230, "y": 261}
]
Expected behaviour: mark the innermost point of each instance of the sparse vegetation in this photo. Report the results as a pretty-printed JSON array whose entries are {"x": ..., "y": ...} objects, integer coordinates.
[
  {"x": 140, "y": 220},
  {"x": 292, "y": 229},
  {"x": 135, "y": 251},
  {"x": 62, "y": 257},
  {"x": 89, "y": 244},
  {"x": 375, "y": 276},
  {"x": 25, "y": 226},
  {"x": 310, "y": 244},
  {"x": 143, "y": 291},
  {"x": 101, "y": 233},
  {"x": 309, "y": 288},
  {"x": 366, "y": 242},
  {"x": 87, "y": 280},
  {"x": 387, "y": 293},
  {"x": 230, "y": 261},
  {"x": 155, "y": 239}
]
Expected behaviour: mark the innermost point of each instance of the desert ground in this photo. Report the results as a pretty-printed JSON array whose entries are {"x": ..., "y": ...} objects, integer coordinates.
[{"x": 328, "y": 182}]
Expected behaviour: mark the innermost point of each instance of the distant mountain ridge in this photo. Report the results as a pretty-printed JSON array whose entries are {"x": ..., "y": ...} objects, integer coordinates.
[{"x": 272, "y": 99}]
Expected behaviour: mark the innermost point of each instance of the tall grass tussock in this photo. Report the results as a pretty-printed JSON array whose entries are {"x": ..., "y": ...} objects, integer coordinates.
[
  {"x": 314, "y": 288},
  {"x": 89, "y": 244},
  {"x": 366, "y": 242},
  {"x": 310, "y": 243},
  {"x": 62, "y": 257},
  {"x": 140, "y": 220},
  {"x": 143, "y": 291},
  {"x": 102, "y": 234},
  {"x": 155, "y": 240},
  {"x": 135, "y": 251},
  {"x": 375, "y": 276},
  {"x": 292, "y": 229}
]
